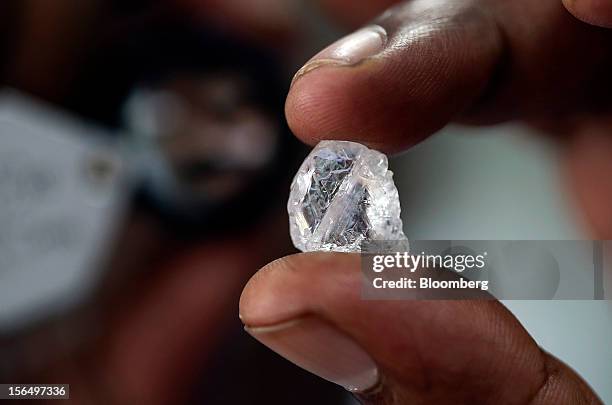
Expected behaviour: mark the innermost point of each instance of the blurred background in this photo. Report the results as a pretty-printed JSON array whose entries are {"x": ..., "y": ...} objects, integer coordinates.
[{"x": 144, "y": 169}]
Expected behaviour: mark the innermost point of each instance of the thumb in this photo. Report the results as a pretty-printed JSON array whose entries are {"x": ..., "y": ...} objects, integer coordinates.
[
  {"x": 595, "y": 12},
  {"x": 308, "y": 308}
]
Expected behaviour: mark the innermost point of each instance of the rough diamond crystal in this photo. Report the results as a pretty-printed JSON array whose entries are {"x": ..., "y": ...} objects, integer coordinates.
[{"x": 343, "y": 195}]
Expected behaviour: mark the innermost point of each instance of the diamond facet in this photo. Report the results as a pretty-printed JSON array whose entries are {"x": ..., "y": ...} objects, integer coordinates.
[{"x": 343, "y": 195}]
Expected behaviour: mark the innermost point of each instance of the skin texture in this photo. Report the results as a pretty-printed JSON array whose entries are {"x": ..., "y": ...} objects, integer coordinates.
[
  {"x": 427, "y": 351},
  {"x": 476, "y": 61}
]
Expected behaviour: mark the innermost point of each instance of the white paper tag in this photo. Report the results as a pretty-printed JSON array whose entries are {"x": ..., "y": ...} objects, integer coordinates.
[{"x": 62, "y": 193}]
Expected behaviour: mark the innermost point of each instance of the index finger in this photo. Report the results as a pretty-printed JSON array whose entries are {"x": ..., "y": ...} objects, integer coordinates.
[{"x": 425, "y": 63}]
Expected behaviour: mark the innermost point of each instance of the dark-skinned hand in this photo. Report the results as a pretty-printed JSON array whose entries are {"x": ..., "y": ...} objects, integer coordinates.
[{"x": 409, "y": 72}]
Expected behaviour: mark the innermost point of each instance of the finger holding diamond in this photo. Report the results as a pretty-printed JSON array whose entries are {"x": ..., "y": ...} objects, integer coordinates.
[
  {"x": 423, "y": 64},
  {"x": 308, "y": 309}
]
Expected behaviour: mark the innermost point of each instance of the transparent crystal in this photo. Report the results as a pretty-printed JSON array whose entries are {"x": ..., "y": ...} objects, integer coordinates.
[{"x": 343, "y": 195}]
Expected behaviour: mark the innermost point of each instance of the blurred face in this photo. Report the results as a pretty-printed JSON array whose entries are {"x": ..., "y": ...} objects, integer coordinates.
[{"x": 213, "y": 136}]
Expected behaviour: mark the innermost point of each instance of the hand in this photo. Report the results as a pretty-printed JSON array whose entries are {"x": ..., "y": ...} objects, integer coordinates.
[{"x": 419, "y": 66}]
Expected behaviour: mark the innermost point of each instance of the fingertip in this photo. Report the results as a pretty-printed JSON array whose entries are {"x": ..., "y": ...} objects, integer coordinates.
[
  {"x": 283, "y": 289},
  {"x": 255, "y": 300},
  {"x": 353, "y": 103},
  {"x": 594, "y": 12},
  {"x": 391, "y": 84}
]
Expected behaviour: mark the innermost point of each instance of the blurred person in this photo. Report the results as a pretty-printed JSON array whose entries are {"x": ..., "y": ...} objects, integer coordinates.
[
  {"x": 433, "y": 62},
  {"x": 207, "y": 100}
]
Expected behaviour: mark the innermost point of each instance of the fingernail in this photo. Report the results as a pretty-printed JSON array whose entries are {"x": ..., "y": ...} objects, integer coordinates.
[
  {"x": 318, "y": 347},
  {"x": 349, "y": 50}
]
